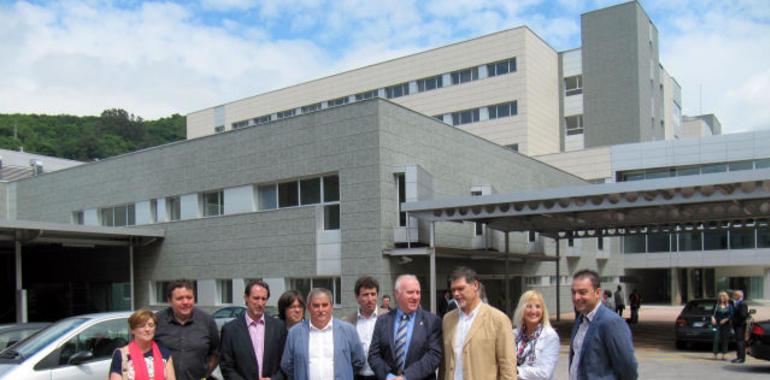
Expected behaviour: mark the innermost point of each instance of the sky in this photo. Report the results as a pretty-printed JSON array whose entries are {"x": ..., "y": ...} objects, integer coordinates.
[{"x": 154, "y": 59}]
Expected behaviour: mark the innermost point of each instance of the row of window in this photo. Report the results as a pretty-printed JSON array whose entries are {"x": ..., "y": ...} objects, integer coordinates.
[
  {"x": 303, "y": 192},
  {"x": 473, "y": 115},
  {"x": 395, "y": 91},
  {"x": 681, "y": 171},
  {"x": 552, "y": 280},
  {"x": 706, "y": 240}
]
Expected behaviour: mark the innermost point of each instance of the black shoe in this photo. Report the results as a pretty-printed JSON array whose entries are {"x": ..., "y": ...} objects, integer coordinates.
[{"x": 736, "y": 360}]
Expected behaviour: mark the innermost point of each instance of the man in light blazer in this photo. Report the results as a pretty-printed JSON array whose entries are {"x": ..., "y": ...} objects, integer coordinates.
[
  {"x": 600, "y": 345},
  {"x": 336, "y": 350},
  {"x": 478, "y": 339},
  {"x": 252, "y": 345},
  {"x": 421, "y": 352}
]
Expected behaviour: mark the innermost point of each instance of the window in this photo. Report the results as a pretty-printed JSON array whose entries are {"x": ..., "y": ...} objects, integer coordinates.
[
  {"x": 502, "y": 110},
  {"x": 564, "y": 280},
  {"x": 397, "y": 90},
  {"x": 153, "y": 211},
  {"x": 240, "y": 124},
  {"x": 337, "y": 102},
  {"x": 713, "y": 168},
  {"x": 574, "y": 125},
  {"x": 99, "y": 340},
  {"x": 531, "y": 236},
  {"x": 267, "y": 197},
  {"x": 332, "y": 217},
  {"x": 513, "y": 147},
  {"x": 465, "y": 117},
  {"x": 118, "y": 216},
  {"x": 742, "y": 238},
  {"x": 160, "y": 290},
  {"x": 401, "y": 198},
  {"x": 219, "y": 129},
  {"x": 570, "y": 242},
  {"x": 262, "y": 120},
  {"x": 532, "y": 281},
  {"x": 333, "y": 284},
  {"x": 682, "y": 172},
  {"x": 741, "y": 165},
  {"x": 366, "y": 95},
  {"x": 288, "y": 194},
  {"x": 225, "y": 291},
  {"x": 573, "y": 85},
  {"x": 311, "y": 108},
  {"x": 428, "y": 84},
  {"x": 173, "y": 208},
  {"x": 600, "y": 243},
  {"x": 78, "y": 217},
  {"x": 762, "y": 164},
  {"x": 464, "y": 76},
  {"x": 285, "y": 114},
  {"x": 331, "y": 188},
  {"x": 213, "y": 203},
  {"x": 502, "y": 67},
  {"x": 310, "y": 191}
]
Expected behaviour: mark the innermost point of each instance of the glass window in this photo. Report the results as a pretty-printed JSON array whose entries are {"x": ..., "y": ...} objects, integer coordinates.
[
  {"x": 331, "y": 188},
  {"x": 288, "y": 195},
  {"x": 310, "y": 191},
  {"x": 681, "y": 172},
  {"x": 428, "y": 84},
  {"x": 366, "y": 95},
  {"x": 763, "y": 237},
  {"x": 400, "y": 198},
  {"x": 464, "y": 76},
  {"x": 311, "y": 108},
  {"x": 161, "y": 287},
  {"x": 465, "y": 117},
  {"x": 633, "y": 244},
  {"x": 337, "y": 102},
  {"x": 714, "y": 239},
  {"x": 302, "y": 285},
  {"x": 513, "y": 147},
  {"x": 762, "y": 164},
  {"x": 573, "y": 85},
  {"x": 219, "y": 129},
  {"x": 284, "y": 114},
  {"x": 742, "y": 238},
  {"x": 502, "y": 67},
  {"x": 574, "y": 125},
  {"x": 240, "y": 124},
  {"x": 78, "y": 217},
  {"x": 502, "y": 110},
  {"x": 262, "y": 120},
  {"x": 99, "y": 340},
  {"x": 332, "y": 217},
  {"x": 658, "y": 243},
  {"x": 713, "y": 168},
  {"x": 153, "y": 211},
  {"x": 225, "y": 291},
  {"x": 658, "y": 173},
  {"x": 741, "y": 165},
  {"x": 690, "y": 241},
  {"x": 107, "y": 217},
  {"x": 173, "y": 208},
  {"x": 266, "y": 196},
  {"x": 600, "y": 243},
  {"x": 397, "y": 90},
  {"x": 213, "y": 203}
]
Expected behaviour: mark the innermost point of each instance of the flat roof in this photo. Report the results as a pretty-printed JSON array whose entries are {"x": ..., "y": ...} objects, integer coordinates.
[
  {"x": 668, "y": 204},
  {"x": 31, "y": 232}
]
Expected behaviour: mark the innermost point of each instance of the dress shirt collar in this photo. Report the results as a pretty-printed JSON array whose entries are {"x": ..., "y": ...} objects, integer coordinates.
[
  {"x": 590, "y": 316},
  {"x": 374, "y": 313},
  {"x": 399, "y": 313},
  {"x": 326, "y": 328},
  {"x": 472, "y": 313},
  {"x": 250, "y": 321}
]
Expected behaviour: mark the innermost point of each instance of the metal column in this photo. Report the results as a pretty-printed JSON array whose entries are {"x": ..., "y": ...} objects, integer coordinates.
[
  {"x": 432, "y": 266},
  {"x": 558, "y": 283},
  {"x": 131, "y": 270},
  {"x": 507, "y": 276},
  {"x": 21, "y": 294}
]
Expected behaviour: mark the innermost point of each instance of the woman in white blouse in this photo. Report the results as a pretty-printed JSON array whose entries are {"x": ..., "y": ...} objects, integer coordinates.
[{"x": 536, "y": 342}]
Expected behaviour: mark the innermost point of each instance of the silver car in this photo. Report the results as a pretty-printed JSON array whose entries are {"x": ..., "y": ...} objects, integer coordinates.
[{"x": 79, "y": 348}]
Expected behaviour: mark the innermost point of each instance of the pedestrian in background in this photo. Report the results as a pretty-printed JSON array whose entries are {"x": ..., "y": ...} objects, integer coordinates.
[
  {"x": 635, "y": 299},
  {"x": 740, "y": 316},
  {"x": 536, "y": 342},
  {"x": 607, "y": 300},
  {"x": 620, "y": 302},
  {"x": 720, "y": 322}
]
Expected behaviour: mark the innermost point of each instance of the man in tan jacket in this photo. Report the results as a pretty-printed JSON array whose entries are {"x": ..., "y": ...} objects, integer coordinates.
[{"x": 478, "y": 339}]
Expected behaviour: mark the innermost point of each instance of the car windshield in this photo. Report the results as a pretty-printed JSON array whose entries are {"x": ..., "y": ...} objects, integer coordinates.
[
  {"x": 700, "y": 306},
  {"x": 33, "y": 344}
]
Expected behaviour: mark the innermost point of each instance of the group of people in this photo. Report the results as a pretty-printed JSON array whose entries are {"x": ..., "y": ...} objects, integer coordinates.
[
  {"x": 617, "y": 303},
  {"x": 730, "y": 315},
  {"x": 475, "y": 341}
]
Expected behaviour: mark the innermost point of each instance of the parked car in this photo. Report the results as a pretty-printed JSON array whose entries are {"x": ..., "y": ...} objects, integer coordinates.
[
  {"x": 78, "y": 347},
  {"x": 12, "y": 333},
  {"x": 694, "y": 323},
  {"x": 227, "y": 314},
  {"x": 759, "y": 340}
]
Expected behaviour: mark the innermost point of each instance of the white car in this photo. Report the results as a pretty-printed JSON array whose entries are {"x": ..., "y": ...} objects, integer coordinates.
[{"x": 78, "y": 347}]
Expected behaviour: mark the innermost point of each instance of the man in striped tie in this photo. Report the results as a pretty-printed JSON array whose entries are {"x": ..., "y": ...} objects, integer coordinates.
[{"x": 407, "y": 341}]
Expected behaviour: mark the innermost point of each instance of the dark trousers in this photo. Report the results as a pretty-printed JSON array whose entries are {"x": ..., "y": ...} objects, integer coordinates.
[
  {"x": 619, "y": 309},
  {"x": 361, "y": 377},
  {"x": 740, "y": 342},
  {"x": 721, "y": 338},
  {"x": 634, "y": 314}
]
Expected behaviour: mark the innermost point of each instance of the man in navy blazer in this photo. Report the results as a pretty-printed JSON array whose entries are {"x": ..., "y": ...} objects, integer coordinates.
[
  {"x": 423, "y": 336},
  {"x": 254, "y": 333},
  {"x": 323, "y": 347},
  {"x": 600, "y": 346}
]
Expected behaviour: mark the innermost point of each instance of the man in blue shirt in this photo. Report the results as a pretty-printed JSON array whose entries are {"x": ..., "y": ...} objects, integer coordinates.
[{"x": 407, "y": 341}]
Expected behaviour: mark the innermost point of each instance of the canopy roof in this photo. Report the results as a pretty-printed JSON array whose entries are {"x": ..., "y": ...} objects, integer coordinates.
[{"x": 31, "y": 232}]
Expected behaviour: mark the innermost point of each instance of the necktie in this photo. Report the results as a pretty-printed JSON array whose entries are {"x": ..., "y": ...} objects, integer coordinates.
[{"x": 401, "y": 342}]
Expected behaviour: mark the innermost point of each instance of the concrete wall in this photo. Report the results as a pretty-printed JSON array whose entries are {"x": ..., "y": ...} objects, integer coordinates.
[{"x": 590, "y": 164}]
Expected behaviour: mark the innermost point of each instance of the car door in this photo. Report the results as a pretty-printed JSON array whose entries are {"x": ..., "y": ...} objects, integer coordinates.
[{"x": 87, "y": 355}]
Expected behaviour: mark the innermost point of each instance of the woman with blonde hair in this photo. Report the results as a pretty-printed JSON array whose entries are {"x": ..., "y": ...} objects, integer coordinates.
[
  {"x": 536, "y": 342},
  {"x": 142, "y": 358},
  {"x": 720, "y": 323}
]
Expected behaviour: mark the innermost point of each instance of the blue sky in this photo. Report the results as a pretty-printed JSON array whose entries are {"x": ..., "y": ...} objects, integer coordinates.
[{"x": 158, "y": 58}]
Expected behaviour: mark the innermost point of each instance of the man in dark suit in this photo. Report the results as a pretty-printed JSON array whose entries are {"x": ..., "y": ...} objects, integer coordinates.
[
  {"x": 600, "y": 345},
  {"x": 407, "y": 341},
  {"x": 740, "y": 316},
  {"x": 252, "y": 345}
]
